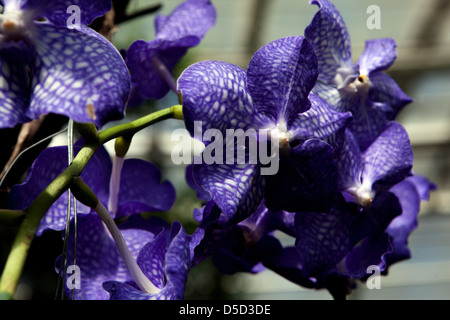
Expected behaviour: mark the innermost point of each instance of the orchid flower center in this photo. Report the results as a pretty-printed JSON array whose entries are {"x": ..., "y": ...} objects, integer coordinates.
[
  {"x": 351, "y": 80},
  {"x": 15, "y": 25},
  {"x": 280, "y": 135},
  {"x": 363, "y": 194}
]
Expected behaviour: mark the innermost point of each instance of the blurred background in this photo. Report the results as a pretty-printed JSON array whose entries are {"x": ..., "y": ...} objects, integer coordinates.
[{"x": 422, "y": 70}]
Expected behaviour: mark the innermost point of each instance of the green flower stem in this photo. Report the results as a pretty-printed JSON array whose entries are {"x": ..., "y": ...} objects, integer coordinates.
[
  {"x": 34, "y": 214},
  {"x": 128, "y": 129},
  {"x": 36, "y": 211}
]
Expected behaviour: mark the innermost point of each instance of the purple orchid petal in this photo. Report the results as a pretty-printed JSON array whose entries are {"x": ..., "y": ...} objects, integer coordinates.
[
  {"x": 280, "y": 76},
  {"x": 207, "y": 238},
  {"x": 368, "y": 121},
  {"x": 389, "y": 158},
  {"x": 323, "y": 238},
  {"x": 192, "y": 18},
  {"x": 350, "y": 163},
  {"x": 329, "y": 36},
  {"x": 376, "y": 218},
  {"x": 157, "y": 260},
  {"x": 379, "y": 54},
  {"x": 98, "y": 258},
  {"x": 182, "y": 29},
  {"x": 151, "y": 260},
  {"x": 215, "y": 93},
  {"x": 177, "y": 263},
  {"x": 402, "y": 226},
  {"x": 334, "y": 97},
  {"x": 384, "y": 89},
  {"x": 202, "y": 194},
  {"x": 122, "y": 291},
  {"x": 141, "y": 189},
  {"x": 236, "y": 188},
  {"x": 144, "y": 60},
  {"x": 230, "y": 247},
  {"x": 423, "y": 185},
  {"x": 56, "y": 10},
  {"x": 50, "y": 163},
  {"x": 371, "y": 251},
  {"x": 78, "y": 73},
  {"x": 306, "y": 180},
  {"x": 320, "y": 122},
  {"x": 368, "y": 117},
  {"x": 14, "y": 98}
]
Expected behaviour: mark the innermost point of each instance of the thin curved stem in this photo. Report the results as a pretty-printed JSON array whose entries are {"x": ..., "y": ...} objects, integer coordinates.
[{"x": 139, "y": 277}]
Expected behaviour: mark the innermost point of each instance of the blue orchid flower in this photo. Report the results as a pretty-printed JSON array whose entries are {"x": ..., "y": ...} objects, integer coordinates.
[
  {"x": 362, "y": 88},
  {"x": 47, "y": 67},
  {"x": 271, "y": 99}
]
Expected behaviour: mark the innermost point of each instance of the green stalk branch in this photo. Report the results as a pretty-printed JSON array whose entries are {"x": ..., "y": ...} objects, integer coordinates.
[{"x": 36, "y": 211}]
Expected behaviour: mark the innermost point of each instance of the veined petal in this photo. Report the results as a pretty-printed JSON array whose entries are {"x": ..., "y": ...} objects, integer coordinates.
[
  {"x": 323, "y": 238},
  {"x": 122, "y": 291},
  {"x": 389, "y": 158},
  {"x": 192, "y": 18},
  {"x": 146, "y": 80},
  {"x": 280, "y": 76},
  {"x": 78, "y": 73},
  {"x": 237, "y": 189},
  {"x": 368, "y": 119},
  {"x": 320, "y": 122},
  {"x": 379, "y": 54},
  {"x": 215, "y": 93},
  {"x": 384, "y": 89},
  {"x": 177, "y": 262},
  {"x": 14, "y": 97},
  {"x": 200, "y": 192},
  {"x": 151, "y": 260},
  {"x": 330, "y": 39},
  {"x": 350, "y": 163}
]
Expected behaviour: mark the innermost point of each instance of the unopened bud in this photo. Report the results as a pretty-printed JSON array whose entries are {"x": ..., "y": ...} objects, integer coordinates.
[
  {"x": 121, "y": 145},
  {"x": 88, "y": 131},
  {"x": 83, "y": 193}
]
